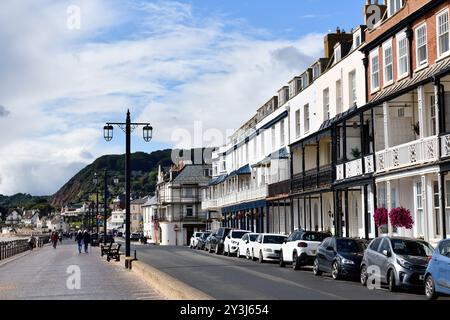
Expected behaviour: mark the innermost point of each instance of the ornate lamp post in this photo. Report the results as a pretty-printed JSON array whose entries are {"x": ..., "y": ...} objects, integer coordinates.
[{"x": 128, "y": 127}]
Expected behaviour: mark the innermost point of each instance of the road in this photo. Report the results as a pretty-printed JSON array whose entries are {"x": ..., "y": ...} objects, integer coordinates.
[
  {"x": 43, "y": 273},
  {"x": 229, "y": 278}
]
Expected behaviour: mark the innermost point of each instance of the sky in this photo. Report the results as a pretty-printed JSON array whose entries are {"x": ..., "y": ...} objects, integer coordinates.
[{"x": 195, "y": 70}]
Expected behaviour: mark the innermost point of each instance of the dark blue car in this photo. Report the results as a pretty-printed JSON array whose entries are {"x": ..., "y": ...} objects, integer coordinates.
[
  {"x": 339, "y": 256},
  {"x": 437, "y": 276}
]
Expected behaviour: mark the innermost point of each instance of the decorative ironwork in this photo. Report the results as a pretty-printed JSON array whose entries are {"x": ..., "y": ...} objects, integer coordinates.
[
  {"x": 412, "y": 153},
  {"x": 430, "y": 150},
  {"x": 395, "y": 158}
]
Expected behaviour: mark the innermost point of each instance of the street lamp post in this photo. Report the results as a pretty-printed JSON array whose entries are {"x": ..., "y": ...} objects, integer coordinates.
[
  {"x": 95, "y": 180},
  {"x": 105, "y": 204},
  {"x": 128, "y": 127}
]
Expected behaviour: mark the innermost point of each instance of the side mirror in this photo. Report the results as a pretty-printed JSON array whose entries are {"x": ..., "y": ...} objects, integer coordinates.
[
  {"x": 285, "y": 241},
  {"x": 387, "y": 253},
  {"x": 246, "y": 241}
]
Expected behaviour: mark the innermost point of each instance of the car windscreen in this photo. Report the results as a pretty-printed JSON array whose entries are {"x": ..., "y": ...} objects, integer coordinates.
[
  {"x": 314, "y": 236},
  {"x": 274, "y": 239},
  {"x": 253, "y": 237},
  {"x": 411, "y": 248},
  {"x": 349, "y": 245},
  {"x": 238, "y": 234},
  {"x": 205, "y": 235}
]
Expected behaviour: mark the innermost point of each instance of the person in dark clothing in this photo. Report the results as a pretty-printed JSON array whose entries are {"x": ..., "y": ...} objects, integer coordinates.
[
  {"x": 54, "y": 239},
  {"x": 79, "y": 240},
  {"x": 86, "y": 240}
]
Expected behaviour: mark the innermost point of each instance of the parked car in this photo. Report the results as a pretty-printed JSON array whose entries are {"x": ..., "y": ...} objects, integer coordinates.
[
  {"x": 437, "y": 276},
  {"x": 267, "y": 247},
  {"x": 120, "y": 234},
  {"x": 134, "y": 237},
  {"x": 245, "y": 245},
  {"x": 340, "y": 257},
  {"x": 194, "y": 239},
  {"x": 231, "y": 243},
  {"x": 401, "y": 262},
  {"x": 202, "y": 240},
  {"x": 300, "y": 248},
  {"x": 216, "y": 240}
]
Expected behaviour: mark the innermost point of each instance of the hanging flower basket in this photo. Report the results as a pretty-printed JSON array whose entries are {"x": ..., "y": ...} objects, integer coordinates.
[
  {"x": 380, "y": 217},
  {"x": 401, "y": 218},
  {"x": 241, "y": 215}
]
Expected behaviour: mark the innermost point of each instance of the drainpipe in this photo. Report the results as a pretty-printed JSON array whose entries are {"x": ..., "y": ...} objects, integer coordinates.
[{"x": 409, "y": 36}]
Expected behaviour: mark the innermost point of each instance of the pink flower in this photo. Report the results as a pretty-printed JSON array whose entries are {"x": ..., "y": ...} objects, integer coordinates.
[
  {"x": 401, "y": 218},
  {"x": 380, "y": 216}
]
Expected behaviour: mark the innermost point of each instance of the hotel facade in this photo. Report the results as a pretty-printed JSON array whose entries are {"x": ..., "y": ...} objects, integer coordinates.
[{"x": 366, "y": 126}]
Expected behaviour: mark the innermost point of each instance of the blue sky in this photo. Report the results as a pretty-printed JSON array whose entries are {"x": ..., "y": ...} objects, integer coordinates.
[{"x": 196, "y": 70}]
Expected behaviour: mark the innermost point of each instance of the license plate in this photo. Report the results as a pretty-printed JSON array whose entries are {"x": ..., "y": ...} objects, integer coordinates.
[{"x": 422, "y": 277}]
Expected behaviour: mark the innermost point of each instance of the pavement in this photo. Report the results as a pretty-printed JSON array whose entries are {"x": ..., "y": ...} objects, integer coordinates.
[
  {"x": 52, "y": 274},
  {"x": 230, "y": 278}
]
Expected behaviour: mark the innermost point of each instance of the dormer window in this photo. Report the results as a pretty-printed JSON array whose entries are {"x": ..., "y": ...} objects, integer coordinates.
[
  {"x": 316, "y": 71},
  {"x": 394, "y": 6},
  {"x": 337, "y": 54},
  {"x": 356, "y": 40},
  {"x": 299, "y": 85}
]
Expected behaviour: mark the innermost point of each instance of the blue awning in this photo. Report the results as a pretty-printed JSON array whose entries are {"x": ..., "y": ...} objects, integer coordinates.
[
  {"x": 241, "y": 171},
  {"x": 217, "y": 180},
  {"x": 280, "y": 154},
  {"x": 245, "y": 206}
]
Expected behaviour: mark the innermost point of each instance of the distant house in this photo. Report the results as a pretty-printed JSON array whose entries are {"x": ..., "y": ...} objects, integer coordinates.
[
  {"x": 57, "y": 223},
  {"x": 41, "y": 223},
  {"x": 14, "y": 217},
  {"x": 151, "y": 226},
  {"x": 30, "y": 218},
  {"x": 116, "y": 221},
  {"x": 137, "y": 214}
]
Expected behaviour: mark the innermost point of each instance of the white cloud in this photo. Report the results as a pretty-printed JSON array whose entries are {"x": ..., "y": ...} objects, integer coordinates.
[{"x": 170, "y": 66}]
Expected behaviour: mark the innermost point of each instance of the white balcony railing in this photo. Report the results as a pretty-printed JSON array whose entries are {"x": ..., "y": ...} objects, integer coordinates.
[
  {"x": 237, "y": 197},
  {"x": 209, "y": 204},
  {"x": 445, "y": 144},
  {"x": 340, "y": 172},
  {"x": 353, "y": 168},
  {"x": 408, "y": 154}
]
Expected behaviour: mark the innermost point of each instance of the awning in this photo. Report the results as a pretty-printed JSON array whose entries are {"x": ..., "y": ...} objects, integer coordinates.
[
  {"x": 217, "y": 180},
  {"x": 280, "y": 154},
  {"x": 241, "y": 171}
]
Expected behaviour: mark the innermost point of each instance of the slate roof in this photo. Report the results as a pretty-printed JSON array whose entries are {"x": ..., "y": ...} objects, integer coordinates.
[
  {"x": 192, "y": 174},
  {"x": 140, "y": 201},
  {"x": 150, "y": 202}
]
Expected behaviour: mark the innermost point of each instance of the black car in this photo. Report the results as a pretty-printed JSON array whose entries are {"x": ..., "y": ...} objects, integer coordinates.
[
  {"x": 339, "y": 256},
  {"x": 135, "y": 237},
  {"x": 216, "y": 240},
  {"x": 202, "y": 240}
]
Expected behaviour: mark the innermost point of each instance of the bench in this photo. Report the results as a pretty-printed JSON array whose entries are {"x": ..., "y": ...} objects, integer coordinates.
[
  {"x": 114, "y": 252},
  {"x": 105, "y": 248}
]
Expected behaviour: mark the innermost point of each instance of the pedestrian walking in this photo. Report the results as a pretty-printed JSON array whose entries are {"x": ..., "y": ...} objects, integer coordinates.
[
  {"x": 86, "y": 240},
  {"x": 32, "y": 242},
  {"x": 79, "y": 240},
  {"x": 54, "y": 239},
  {"x": 60, "y": 237}
]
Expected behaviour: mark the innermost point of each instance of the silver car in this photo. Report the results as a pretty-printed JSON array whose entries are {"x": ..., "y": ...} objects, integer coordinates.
[{"x": 399, "y": 262}]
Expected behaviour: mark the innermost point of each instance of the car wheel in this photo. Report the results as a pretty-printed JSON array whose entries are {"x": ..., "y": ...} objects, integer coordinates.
[
  {"x": 391, "y": 279},
  {"x": 238, "y": 253},
  {"x": 210, "y": 249},
  {"x": 261, "y": 258},
  {"x": 363, "y": 277},
  {"x": 430, "y": 290},
  {"x": 247, "y": 254},
  {"x": 335, "y": 271},
  {"x": 282, "y": 263},
  {"x": 316, "y": 268},
  {"x": 295, "y": 262},
  {"x": 217, "y": 249},
  {"x": 253, "y": 255}
]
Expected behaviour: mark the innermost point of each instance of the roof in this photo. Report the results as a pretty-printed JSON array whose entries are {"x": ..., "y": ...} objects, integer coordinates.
[
  {"x": 193, "y": 174},
  {"x": 140, "y": 201},
  {"x": 151, "y": 201},
  {"x": 29, "y": 214}
]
